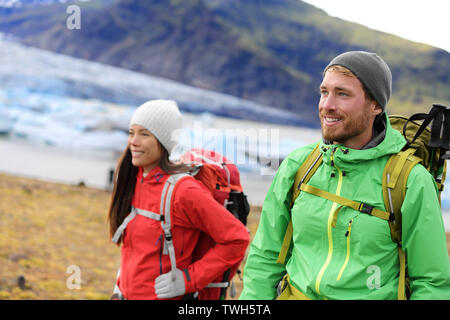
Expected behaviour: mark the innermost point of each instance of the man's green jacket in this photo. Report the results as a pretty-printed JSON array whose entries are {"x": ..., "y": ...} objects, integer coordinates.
[{"x": 354, "y": 256}]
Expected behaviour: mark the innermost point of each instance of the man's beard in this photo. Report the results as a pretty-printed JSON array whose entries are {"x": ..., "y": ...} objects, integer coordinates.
[{"x": 351, "y": 126}]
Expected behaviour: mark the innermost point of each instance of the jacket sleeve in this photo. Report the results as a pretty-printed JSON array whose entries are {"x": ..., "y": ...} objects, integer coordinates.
[
  {"x": 423, "y": 238},
  {"x": 231, "y": 237},
  {"x": 262, "y": 272}
]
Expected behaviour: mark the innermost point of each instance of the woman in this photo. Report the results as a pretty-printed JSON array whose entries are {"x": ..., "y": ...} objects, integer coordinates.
[{"x": 146, "y": 270}]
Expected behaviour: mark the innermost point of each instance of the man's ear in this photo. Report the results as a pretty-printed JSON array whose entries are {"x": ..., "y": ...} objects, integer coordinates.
[{"x": 376, "y": 109}]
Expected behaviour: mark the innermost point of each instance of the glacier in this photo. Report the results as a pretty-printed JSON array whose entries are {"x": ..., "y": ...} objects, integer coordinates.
[{"x": 57, "y": 100}]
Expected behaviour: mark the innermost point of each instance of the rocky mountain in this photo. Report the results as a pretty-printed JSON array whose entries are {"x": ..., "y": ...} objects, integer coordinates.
[{"x": 269, "y": 51}]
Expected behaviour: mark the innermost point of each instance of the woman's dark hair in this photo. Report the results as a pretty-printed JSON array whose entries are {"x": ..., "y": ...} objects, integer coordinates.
[{"x": 125, "y": 182}]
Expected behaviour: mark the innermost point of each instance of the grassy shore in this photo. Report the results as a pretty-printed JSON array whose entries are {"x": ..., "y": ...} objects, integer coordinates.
[{"x": 49, "y": 232}]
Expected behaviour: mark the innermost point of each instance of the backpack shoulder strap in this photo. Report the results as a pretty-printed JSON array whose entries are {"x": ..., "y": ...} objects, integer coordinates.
[
  {"x": 304, "y": 173},
  {"x": 395, "y": 177},
  {"x": 167, "y": 196},
  {"x": 165, "y": 208}
]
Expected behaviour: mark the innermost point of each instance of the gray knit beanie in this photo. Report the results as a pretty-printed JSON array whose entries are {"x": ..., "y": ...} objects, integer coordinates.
[
  {"x": 162, "y": 118},
  {"x": 371, "y": 70}
]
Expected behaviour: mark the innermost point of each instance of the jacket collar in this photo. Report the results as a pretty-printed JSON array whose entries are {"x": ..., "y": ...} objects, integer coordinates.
[
  {"x": 155, "y": 175},
  {"x": 378, "y": 132},
  {"x": 384, "y": 142}
]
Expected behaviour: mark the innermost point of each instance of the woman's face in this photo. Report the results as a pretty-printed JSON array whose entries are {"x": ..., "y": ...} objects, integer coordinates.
[{"x": 145, "y": 148}]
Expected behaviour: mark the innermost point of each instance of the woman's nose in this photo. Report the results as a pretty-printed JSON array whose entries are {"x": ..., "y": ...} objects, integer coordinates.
[{"x": 133, "y": 140}]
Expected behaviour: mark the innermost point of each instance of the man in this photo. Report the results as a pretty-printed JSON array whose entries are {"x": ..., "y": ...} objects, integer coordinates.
[{"x": 338, "y": 252}]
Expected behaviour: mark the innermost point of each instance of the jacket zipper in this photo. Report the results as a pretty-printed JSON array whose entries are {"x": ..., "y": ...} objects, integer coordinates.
[
  {"x": 329, "y": 226},
  {"x": 347, "y": 235}
]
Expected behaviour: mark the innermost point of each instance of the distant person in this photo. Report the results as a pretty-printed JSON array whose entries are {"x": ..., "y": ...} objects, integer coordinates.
[
  {"x": 154, "y": 266},
  {"x": 110, "y": 180},
  {"x": 339, "y": 252}
]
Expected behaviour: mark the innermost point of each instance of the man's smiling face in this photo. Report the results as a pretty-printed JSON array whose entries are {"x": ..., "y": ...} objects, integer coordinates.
[{"x": 346, "y": 113}]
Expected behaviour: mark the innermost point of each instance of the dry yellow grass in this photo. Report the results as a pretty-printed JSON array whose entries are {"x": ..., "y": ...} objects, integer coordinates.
[{"x": 45, "y": 228}]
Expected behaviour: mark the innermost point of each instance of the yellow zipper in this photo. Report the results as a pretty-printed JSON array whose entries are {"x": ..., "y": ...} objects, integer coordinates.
[
  {"x": 329, "y": 225},
  {"x": 347, "y": 234}
]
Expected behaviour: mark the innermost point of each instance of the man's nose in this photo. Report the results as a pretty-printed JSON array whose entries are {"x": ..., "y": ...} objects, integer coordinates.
[{"x": 328, "y": 102}]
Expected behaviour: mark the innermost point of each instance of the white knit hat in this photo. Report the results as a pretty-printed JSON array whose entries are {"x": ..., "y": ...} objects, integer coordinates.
[{"x": 162, "y": 118}]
